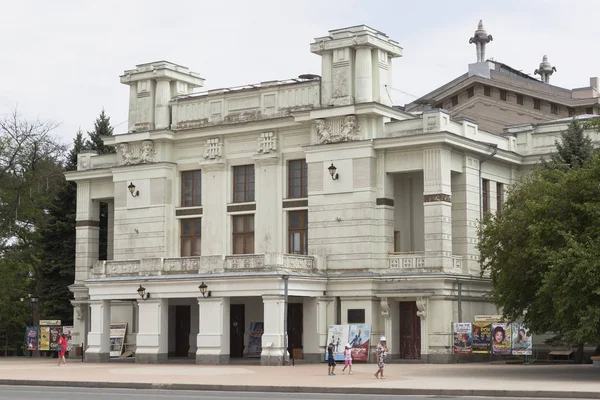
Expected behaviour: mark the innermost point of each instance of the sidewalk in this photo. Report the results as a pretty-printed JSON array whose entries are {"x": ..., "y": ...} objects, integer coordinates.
[{"x": 552, "y": 381}]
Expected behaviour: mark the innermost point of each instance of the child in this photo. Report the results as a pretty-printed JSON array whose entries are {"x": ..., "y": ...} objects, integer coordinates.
[
  {"x": 330, "y": 360},
  {"x": 347, "y": 358}
]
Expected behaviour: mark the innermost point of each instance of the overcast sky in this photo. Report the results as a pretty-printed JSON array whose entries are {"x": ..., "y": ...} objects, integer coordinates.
[{"x": 61, "y": 59}]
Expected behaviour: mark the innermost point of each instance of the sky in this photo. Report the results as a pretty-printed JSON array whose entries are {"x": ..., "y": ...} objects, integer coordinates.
[{"x": 60, "y": 60}]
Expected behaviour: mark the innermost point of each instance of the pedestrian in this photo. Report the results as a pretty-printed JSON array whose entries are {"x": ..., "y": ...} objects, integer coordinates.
[
  {"x": 62, "y": 347},
  {"x": 347, "y": 359},
  {"x": 382, "y": 350},
  {"x": 330, "y": 360}
]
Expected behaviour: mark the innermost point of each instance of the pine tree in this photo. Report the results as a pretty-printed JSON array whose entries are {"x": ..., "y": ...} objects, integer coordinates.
[
  {"x": 78, "y": 146},
  {"x": 574, "y": 146},
  {"x": 102, "y": 128}
]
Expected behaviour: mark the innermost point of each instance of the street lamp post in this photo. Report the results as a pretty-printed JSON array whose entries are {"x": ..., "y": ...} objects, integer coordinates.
[{"x": 32, "y": 300}]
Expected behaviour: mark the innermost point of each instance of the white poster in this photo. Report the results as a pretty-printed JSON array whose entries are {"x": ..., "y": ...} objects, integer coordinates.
[
  {"x": 338, "y": 335},
  {"x": 68, "y": 330}
]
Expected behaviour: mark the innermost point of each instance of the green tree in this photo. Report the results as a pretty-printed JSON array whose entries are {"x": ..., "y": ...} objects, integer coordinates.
[
  {"x": 574, "y": 146},
  {"x": 102, "y": 128}
]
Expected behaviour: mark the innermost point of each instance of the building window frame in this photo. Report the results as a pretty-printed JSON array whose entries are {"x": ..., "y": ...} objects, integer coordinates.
[
  {"x": 503, "y": 95},
  {"x": 537, "y": 104},
  {"x": 485, "y": 196},
  {"x": 454, "y": 100},
  {"x": 554, "y": 109},
  {"x": 300, "y": 232},
  {"x": 499, "y": 197},
  {"x": 297, "y": 171},
  {"x": 242, "y": 234},
  {"x": 520, "y": 99},
  {"x": 243, "y": 183},
  {"x": 191, "y": 242},
  {"x": 487, "y": 91},
  {"x": 470, "y": 92},
  {"x": 195, "y": 189}
]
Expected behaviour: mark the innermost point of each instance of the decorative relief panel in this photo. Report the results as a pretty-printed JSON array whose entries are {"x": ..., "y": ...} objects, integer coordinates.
[
  {"x": 437, "y": 197},
  {"x": 245, "y": 262},
  {"x": 340, "y": 130},
  {"x": 267, "y": 143},
  {"x": 137, "y": 154},
  {"x": 407, "y": 261},
  {"x": 213, "y": 149},
  {"x": 298, "y": 262}
]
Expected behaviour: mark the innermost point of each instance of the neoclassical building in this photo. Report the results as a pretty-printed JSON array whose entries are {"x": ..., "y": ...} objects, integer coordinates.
[{"x": 297, "y": 204}]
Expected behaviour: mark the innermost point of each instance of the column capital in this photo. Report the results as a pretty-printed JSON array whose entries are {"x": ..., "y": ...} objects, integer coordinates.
[{"x": 272, "y": 297}]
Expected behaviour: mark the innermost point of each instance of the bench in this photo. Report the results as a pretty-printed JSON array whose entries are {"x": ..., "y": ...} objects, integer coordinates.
[{"x": 560, "y": 353}]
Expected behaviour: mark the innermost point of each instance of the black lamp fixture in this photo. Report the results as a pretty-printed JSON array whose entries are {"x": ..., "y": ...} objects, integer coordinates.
[
  {"x": 332, "y": 171},
  {"x": 142, "y": 292},
  {"x": 134, "y": 193},
  {"x": 204, "y": 290},
  {"x": 32, "y": 299}
]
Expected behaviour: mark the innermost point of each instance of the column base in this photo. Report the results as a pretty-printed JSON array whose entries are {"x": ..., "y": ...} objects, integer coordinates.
[
  {"x": 271, "y": 360},
  {"x": 97, "y": 357},
  {"x": 212, "y": 359},
  {"x": 151, "y": 358},
  {"x": 313, "y": 357}
]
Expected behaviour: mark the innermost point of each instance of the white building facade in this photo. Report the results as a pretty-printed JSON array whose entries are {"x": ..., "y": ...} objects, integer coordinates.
[{"x": 299, "y": 204}]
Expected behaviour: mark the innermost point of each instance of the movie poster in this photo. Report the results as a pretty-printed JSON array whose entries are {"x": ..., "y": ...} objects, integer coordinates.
[
  {"x": 521, "y": 341},
  {"x": 44, "y": 338},
  {"x": 463, "y": 340},
  {"x": 255, "y": 339},
  {"x": 31, "y": 338},
  {"x": 117, "y": 338},
  {"x": 55, "y": 332},
  {"x": 68, "y": 330},
  {"x": 482, "y": 337},
  {"x": 359, "y": 339},
  {"x": 338, "y": 335},
  {"x": 501, "y": 336}
]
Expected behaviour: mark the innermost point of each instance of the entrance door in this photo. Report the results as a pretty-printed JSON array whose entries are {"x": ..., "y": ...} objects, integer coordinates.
[
  {"x": 182, "y": 330},
  {"x": 410, "y": 331},
  {"x": 294, "y": 329},
  {"x": 236, "y": 330}
]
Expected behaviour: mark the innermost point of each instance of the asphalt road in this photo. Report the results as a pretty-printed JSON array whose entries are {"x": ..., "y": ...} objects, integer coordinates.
[{"x": 52, "y": 393}]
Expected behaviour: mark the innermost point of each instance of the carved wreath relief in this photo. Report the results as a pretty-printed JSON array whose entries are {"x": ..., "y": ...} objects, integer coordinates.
[
  {"x": 346, "y": 132},
  {"x": 146, "y": 153}
]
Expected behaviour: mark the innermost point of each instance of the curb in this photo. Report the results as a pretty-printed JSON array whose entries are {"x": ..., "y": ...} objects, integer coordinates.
[{"x": 308, "y": 389}]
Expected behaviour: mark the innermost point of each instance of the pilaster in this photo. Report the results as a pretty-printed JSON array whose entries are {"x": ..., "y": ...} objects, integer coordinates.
[
  {"x": 213, "y": 330},
  {"x": 326, "y": 77},
  {"x": 437, "y": 208},
  {"x": 267, "y": 221},
  {"x": 364, "y": 75},
  {"x": 194, "y": 329},
  {"x": 110, "y": 231},
  {"x": 272, "y": 338},
  {"x": 87, "y": 232},
  {"x": 465, "y": 212},
  {"x": 99, "y": 336},
  {"x": 161, "y": 110},
  {"x": 152, "y": 344},
  {"x": 214, "y": 211}
]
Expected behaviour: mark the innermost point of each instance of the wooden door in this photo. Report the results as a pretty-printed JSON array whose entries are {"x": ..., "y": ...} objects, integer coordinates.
[
  {"x": 294, "y": 326},
  {"x": 237, "y": 329},
  {"x": 410, "y": 331},
  {"x": 182, "y": 330}
]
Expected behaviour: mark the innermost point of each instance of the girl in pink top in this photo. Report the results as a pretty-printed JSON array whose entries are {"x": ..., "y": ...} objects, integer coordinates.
[{"x": 347, "y": 358}]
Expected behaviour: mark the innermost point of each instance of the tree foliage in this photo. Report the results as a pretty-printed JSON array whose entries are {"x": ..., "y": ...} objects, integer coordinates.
[
  {"x": 574, "y": 146},
  {"x": 102, "y": 128}
]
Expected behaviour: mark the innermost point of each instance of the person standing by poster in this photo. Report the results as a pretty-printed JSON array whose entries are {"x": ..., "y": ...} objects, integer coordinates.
[
  {"x": 330, "y": 360},
  {"x": 382, "y": 350},
  {"x": 62, "y": 347},
  {"x": 347, "y": 359}
]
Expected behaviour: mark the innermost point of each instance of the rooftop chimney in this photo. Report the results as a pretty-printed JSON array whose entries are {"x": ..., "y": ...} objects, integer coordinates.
[
  {"x": 480, "y": 38},
  {"x": 594, "y": 83}
]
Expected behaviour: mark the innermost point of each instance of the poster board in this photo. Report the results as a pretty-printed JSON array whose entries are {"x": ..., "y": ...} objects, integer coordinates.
[
  {"x": 68, "y": 330},
  {"x": 55, "y": 332},
  {"x": 117, "y": 338},
  {"x": 31, "y": 338},
  {"x": 44, "y": 338},
  {"x": 501, "y": 337},
  {"x": 482, "y": 337},
  {"x": 463, "y": 338},
  {"x": 359, "y": 338},
  {"x": 521, "y": 340},
  {"x": 255, "y": 339},
  {"x": 338, "y": 335}
]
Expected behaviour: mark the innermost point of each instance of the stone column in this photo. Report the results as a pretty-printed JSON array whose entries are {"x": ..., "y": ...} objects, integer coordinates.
[
  {"x": 99, "y": 336},
  {"x": 272, "y": 338},
  {"x": 194, "y": 329},
  {"x": 387, "y": 324},
  {"x": 213, "y": 330},
  {"x": 267, "y": 219},
  {"x": 87, "y": 232},
  {"x": 364, "y": 75},
  {"x": 422, "y": 314},
  {"x": 465, "y": 213},
  {"x": 315, "y": 327},
  {"x": 152, "y": 339},
  {"x": 110, "y": 236},
  {"x": 326, "y": 79},
  {"x": 162, "y": 118},
  {"x": 132, "y": 119},
  {"x": 437, "y": 208},
  {"x": 214, "y": 209}
]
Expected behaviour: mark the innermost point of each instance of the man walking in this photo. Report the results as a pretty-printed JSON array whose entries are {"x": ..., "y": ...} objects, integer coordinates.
[{"x": 330, "y": 360}]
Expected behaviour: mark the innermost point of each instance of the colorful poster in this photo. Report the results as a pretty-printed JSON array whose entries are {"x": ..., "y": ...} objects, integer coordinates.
[
  {"x": 521, "y": 341},
  {"x": 482, "y": 337},
  {"x": 359, "y": 338},
  {"x": 501, "y": 338},
  {"x": 255, "y": 339},
  {"x": 55, "y": 332},
  {"x": 31, "y": 338},
  {"x": 44, "y": 338},
  {"x": 338, "y": 335},
  {"x": 463, "y": 339},
  {"x": 117, "y": 338},
  {"x": 68, "y": 330}
]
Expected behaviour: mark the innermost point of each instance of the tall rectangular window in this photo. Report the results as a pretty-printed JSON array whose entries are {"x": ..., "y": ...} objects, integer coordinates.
[
  {"x": 554, "y": 108},
  {"x": 297, "y": 179},
  {"x": 487, "y": 91},
  {"x": 537, "y": 104},
  {"x": 485, "y": 195},
  {"x": 191, "y": 188},
  {"x": 298, "y": 232},
  {"x": 589, "y": 110},
  {"x": 470, "y": 92},
  {"x": 191, "y": 237},
  {"x": 499, "y": 196},
  {"x": 243, "y": 234},
  {"x": 454, "y": 101},
  {"x": 243, "y": 183},
  {"x": 520, "y": 99},
  {"x": 503, "y": 95}
]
